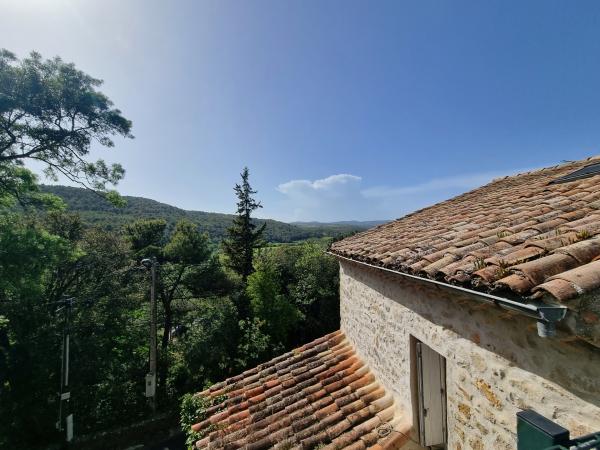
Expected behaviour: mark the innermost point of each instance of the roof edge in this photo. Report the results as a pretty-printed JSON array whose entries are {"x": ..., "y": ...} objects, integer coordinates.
[{"x": 546, "y": 314}]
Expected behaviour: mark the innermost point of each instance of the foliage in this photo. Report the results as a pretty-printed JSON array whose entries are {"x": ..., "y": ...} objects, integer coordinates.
[
  {"x": 254, "y": 345},
  {"x": 66, "y": 263},
  {"x": 270, "y": 306},
  {"x": 243, "y": 236},
  {"x": 295, "y": 288},
  {"x": 209, "y": 279},
  {"x": 95, "y": 211},
  {"x": 25, "y": 243},
  {"x": 187, "y": 245},
  {"x": 315, "y": 290},
  {"x": 193, "y": 410},
  {"x": 146, "y": 237},
  {"x": 51, "y": 112},
  {"x": 205, "y": 352},
  {"x": 181, "y": 255},
  {"x": 18, "y": 186},
  {"x": 110, "y": 320}
]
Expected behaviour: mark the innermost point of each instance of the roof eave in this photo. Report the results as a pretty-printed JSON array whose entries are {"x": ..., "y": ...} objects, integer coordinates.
[{"x": 545, "y": 314}]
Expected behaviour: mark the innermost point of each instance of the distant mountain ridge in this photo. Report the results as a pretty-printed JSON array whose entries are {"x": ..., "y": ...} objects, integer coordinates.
[
  {"x": 363, "y": 224},
  {"x": 94, "y": 210}
]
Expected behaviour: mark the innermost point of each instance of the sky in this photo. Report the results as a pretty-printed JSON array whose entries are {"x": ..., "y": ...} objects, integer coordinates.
[{"x": 342, "y": 110}]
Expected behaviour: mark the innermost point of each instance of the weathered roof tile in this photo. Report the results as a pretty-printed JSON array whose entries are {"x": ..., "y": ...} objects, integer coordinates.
[
  {"x": 320, "y": 393},
  {"x": 571, "y": 283},
  {"x": 519, "y": 233}
]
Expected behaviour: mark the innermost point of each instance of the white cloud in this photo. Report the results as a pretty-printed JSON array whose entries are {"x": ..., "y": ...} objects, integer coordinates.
[
  {"x": 327, "y": 199},
  {"x": 332, "y": 184},
  {"x": 342, "y": 196}
]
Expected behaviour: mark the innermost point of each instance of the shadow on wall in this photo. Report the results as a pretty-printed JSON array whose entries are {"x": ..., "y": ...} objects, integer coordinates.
[{"x": 569, "y": 362}]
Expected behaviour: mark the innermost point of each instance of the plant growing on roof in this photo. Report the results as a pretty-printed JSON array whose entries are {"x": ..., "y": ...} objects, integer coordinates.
[
  {"x": 286, "y": 445},
  {"x": 479, "y": 263},
  {"x": 502, "y": 269},
  {"x": 193, "y": 410},
  {"x": 583, "y": 234}
]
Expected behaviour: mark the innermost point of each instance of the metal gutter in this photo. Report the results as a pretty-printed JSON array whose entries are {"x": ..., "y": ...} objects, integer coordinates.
[{"x": 546, "y": 315}]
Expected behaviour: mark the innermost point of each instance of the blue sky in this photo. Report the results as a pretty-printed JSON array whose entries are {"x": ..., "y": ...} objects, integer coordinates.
[{"x": 341, "y": 109}]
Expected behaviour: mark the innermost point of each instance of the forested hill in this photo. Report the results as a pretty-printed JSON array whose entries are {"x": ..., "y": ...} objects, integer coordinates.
[
  {"x": 97, "y": 211},
  {"x": 364, "y": 224}
]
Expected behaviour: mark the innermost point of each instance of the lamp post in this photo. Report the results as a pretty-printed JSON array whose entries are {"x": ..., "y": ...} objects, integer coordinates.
[
  {"x": 65, "y": 394},
  {"x": 152, "y": 264}
]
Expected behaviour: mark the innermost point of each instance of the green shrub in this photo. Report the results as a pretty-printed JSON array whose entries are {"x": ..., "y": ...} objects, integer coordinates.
[{"x": 193, "y": 410}]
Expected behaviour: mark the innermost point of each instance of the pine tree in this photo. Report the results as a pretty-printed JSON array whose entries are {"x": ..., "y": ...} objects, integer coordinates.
[{"x": 243, "y": 236}]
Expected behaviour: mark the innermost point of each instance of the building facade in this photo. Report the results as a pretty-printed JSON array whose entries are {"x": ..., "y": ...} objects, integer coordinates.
[
  {"x": 455, "y": 319},
  {"x": 495, "y": 363},
  {"x": 484, "y": 305}
]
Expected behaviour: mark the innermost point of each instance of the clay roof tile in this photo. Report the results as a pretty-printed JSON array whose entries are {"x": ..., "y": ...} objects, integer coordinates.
[
  {"x": 329, "y": 395},
  {"x": 508, "y": 223},
  {"x": 574, "y": 282}
]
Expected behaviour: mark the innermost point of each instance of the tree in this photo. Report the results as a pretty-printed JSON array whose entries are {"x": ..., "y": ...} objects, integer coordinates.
[
  {"x": 186, "y": 252},
  {"x": 146, "y": 237},
  {"x": 52, "y": 112},
  {"x": 19, "y": 186},
  {"x": 294, "y": 290},
  {"x": 107, "y": 354},
  {"x": 316, "y": 291},
  {"x": 243, "y": 236},
  {"x": 205, "y": 351},
  {"x": 279, "y": 315},
  {"x": 27, "y": 350},
  {"x": 182, "y": 256}
]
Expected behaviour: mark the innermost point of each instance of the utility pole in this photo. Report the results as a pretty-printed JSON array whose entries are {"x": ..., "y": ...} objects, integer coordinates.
[
  {"x": 65, "y": 394},
  {"x": 151, "y": 376}
]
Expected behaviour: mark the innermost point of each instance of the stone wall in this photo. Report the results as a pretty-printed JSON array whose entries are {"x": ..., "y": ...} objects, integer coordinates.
[{"x": 496, "y": 364}]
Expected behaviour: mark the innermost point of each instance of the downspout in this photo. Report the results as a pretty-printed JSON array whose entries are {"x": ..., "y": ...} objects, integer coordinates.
[{"x": 545, "y": 315}]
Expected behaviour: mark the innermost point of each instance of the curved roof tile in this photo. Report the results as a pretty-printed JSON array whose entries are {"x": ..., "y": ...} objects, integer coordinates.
[
  {"x": 320, "y": 394},
  {"x": 520, "y": 234}
]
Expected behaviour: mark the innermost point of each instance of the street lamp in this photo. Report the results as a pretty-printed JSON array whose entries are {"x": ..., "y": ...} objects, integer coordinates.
[
  {"x": 151, "y": 264},
  {"x": 65, "y": 395}
]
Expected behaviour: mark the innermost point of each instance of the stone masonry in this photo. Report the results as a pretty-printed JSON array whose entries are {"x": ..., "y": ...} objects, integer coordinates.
[{"x": 496, "y": 364}]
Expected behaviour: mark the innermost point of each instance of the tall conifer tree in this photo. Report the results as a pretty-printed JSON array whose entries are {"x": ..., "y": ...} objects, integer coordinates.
[{"x": 243, "y": 236}]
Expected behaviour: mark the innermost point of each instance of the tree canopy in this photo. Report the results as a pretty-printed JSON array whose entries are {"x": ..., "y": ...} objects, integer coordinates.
[
  {"x": 52, "y": 112},
  {"x": 243, "y": 236}
]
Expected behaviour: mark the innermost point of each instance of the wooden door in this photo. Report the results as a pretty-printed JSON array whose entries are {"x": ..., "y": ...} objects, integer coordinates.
[{"x": 431, "y": 373}]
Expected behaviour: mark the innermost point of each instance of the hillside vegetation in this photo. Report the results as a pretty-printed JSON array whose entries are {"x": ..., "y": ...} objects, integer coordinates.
[
  {"x": 96, "y": 211},
  {"x": 96, "y": 298}
]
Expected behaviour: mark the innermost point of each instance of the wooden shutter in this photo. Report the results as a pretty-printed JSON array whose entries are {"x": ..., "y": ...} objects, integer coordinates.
[{"x": 431, "y": 373}]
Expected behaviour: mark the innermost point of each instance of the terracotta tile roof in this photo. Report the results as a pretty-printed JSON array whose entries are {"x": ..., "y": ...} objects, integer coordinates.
[
  {"x": 319, "y": 395},
  {"x": 518, "y": 234}
]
